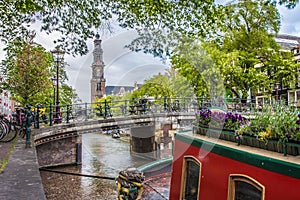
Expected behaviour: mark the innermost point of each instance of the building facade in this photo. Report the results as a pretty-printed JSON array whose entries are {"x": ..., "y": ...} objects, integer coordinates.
[
  {"x": 285, "y": 93},
  {"x": 98, "y": 80}
]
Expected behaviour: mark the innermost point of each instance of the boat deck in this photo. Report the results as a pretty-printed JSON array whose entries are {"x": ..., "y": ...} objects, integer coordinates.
[{"x": 253, "y": 150}]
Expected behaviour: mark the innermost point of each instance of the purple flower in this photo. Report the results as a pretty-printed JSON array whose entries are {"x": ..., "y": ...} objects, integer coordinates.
[
  {"x": 298, "y": 121},
  {"x": 298, "y": 115}
]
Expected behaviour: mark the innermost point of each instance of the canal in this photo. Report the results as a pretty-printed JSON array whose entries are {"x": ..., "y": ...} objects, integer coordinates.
[{"x": 102, "y": 156}]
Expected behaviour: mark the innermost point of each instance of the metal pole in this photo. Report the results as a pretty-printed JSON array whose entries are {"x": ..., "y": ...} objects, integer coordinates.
[
  {"x": 38, "y": 117},
  {"x": 58, "y": 58},
  {"x": 68, "y": 113},
  {"x": 28, "y": 125},
  {"x": 105, "y": 109},
  {"x": 86, "y": 111},
  {"x": 57, "y": 93},
  {"x": 50, "y": 115},
  {"x": 165, "y": 103}
]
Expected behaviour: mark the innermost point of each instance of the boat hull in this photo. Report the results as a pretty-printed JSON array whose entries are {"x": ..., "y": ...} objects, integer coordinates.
[{"x": 279, "y": 178}]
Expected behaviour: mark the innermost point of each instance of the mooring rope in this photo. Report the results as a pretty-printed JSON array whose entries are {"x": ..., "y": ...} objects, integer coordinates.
[
  {"x": 77, "y": 174},
  {"x": 93, "y": 176},
  {"x": 155, "y": 190}
]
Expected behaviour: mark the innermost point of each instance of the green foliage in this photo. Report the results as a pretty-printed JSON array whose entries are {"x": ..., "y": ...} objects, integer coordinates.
[
  {"x": 282, "y": 125},
  {"x": 26, "y": 70},
  {"x": 72, "y": 19},
  {"x": 67, "y": 94},
  {"x": 288, "y": 3},
  {"x": 243, "y": 56},
  {"x": 192, "y": 61},
  {"x": 171, "y": 84},
  {"x": 157, "y": 86},
  {"x": 158, "y": 22}
]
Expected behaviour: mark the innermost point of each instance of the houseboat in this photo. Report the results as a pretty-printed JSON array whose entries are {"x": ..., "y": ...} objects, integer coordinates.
[{"x": 205, "y": 167}]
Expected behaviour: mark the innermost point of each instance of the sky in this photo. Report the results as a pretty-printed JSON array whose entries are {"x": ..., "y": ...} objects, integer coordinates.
[{"x": 123, "y": 67}]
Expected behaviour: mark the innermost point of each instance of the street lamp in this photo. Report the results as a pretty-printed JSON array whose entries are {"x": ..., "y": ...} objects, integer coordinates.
[{"x": 58, "y": 57}]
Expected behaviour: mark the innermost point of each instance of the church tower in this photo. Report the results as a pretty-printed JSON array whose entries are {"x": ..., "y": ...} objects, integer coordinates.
[{"x": 98, "y": 80}]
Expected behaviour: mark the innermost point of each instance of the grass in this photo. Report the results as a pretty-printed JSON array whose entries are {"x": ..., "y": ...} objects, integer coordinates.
[{"x": 4, "y": 161}]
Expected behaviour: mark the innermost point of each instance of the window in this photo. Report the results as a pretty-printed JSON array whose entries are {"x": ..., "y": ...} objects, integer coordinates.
[
  {"x": 292, "y": 97},
  {"x": 191, "y": 179},
  {"x": 245, "y": 188},
  {"x": 98, "y": 87},
  {"x": 297, "y": 96}
]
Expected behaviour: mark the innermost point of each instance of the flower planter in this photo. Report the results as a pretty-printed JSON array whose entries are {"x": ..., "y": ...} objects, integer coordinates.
[{"x": 290, "y": 148}]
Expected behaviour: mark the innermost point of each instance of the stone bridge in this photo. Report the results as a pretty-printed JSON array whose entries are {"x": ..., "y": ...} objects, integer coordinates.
[{"x": 62, "y": 144}]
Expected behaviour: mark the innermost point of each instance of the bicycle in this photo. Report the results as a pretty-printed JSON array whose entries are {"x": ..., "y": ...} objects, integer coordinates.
[
  {"x": 8, "y": 131},
  {"x": 38, "y": 116}
]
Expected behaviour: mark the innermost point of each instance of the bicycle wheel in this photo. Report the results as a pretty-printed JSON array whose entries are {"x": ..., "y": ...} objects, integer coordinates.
[
  {"x": 11, "y": 135},
  {"x": 3, "y": 130}
]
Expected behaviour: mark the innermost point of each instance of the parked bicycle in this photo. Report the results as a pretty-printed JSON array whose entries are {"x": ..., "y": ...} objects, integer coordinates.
[
  {"x": 8, "y": 131},
  {"x": 39, "y": 115}
]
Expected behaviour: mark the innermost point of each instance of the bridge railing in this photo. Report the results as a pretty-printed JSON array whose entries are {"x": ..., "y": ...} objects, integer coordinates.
[{"x": 85, "y": 111}]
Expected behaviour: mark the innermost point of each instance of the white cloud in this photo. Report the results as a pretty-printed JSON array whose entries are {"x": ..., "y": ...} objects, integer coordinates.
[
  {"x": 290, "y": 20},
  {"x": 122, "y": 67}
]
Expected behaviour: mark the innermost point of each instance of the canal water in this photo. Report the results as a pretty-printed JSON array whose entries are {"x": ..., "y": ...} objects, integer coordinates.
[{"x": 102, "y": 156}]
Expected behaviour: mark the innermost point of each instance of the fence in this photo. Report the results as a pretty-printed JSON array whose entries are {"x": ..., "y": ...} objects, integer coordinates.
[{"x": 84, "y": 111}]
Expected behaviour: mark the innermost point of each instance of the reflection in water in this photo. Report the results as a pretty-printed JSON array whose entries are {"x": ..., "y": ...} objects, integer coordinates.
[{"x": 101, "y": 155}]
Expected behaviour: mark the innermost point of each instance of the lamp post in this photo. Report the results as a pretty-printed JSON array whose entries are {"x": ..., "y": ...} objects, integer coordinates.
[
  {"x": 58, "y": 57},
  {"x": 54, "y": 86}
]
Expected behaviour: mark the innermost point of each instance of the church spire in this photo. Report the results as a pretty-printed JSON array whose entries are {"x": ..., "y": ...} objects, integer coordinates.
[
  {"x": 98, "y": 51},
  {"x": 98, "y": 80}
]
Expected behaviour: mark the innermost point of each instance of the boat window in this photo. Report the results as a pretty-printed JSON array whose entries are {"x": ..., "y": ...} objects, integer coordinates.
[
  {"x": 245, "y": 188},
  {"x": 191, "y": 179}
]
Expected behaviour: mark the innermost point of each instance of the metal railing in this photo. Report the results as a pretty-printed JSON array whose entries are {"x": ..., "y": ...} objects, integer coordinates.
[
  {"x": 145, "y": 106},
  {"x": 38, "y": 115}
]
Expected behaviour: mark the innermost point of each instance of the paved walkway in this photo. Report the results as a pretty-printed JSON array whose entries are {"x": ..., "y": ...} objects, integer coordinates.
[{"x": 21, "y": 179}]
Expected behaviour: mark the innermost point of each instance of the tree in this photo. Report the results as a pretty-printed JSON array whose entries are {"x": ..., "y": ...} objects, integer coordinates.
[
  {"x": 179, "y": 84},
  {"x": 67, "y": 94},
  {"x": 162, "y": 24},
  {"x": 76, "y": 20},
  {"x": 191, "y": 60},
  {"x": 248, "y": 55},
  {"x": 244, "y": 56},
  {"x": 171, "y": 84},
  {"x": 158, "y": 86},
  {"x": 26, "y": 71}
]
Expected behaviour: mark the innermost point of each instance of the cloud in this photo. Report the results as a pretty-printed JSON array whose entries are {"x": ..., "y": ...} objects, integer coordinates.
[
  {"x": 290, "y": 20},
  {"x": 122, "y": 66}
]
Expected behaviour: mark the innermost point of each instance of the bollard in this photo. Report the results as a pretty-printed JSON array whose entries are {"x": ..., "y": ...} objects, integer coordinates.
[
  {"x": 37, "y": 117},
  {"x": 68, "y": 113},
  {"x": 86, "y": 111},
  {"x": 50, "y": 115},
  {"x": 105, "y": 109},
  {"x": 28, "y": 126},
  {"x": 125, "y": 108},
  {"x": 165, "y": 103}
]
